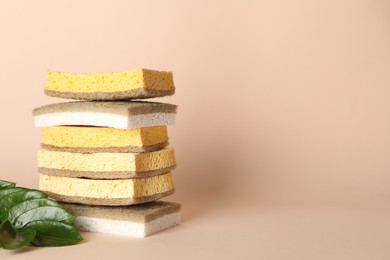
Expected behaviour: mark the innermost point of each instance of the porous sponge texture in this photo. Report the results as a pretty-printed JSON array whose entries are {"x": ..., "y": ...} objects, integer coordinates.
[
  {"x": 109, "y": 81},
  {"x": 106, "y": 162},
  {"x": 141, "y": 213},
  {"x": 123, "y": 115},
  {"x": 103, "y": 137},
  {"x": 128, "y": 227},
  {"x": 137, "y": 220},
  {"x": 154, "y": 160},
  {"x": 107, "y": 189}
]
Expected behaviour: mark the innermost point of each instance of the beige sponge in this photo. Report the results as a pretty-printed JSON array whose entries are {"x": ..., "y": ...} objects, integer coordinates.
[
  {"x": 86, "y": 139},
  {"x": 136, "y": 220},
  {"x": 106, "y": 165},
  {"x": 122, "y": 115},
  {"x": 107, "y": 192},
  {"x": 137, "y": 83}
]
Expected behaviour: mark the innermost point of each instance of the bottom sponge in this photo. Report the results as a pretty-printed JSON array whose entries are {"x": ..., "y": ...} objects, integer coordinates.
[{"x": 137, "y": 221}]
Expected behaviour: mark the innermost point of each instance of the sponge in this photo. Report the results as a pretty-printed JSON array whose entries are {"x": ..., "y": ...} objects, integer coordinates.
[
  {"x": 122, "y": 115},
  {"x": 137, "y": 83},
  {"x": 136, "y": 221},
  {"x": 107, "y": 192},
  {"x": 106, "y": 165},
  {"x": 87, "y": 139}
]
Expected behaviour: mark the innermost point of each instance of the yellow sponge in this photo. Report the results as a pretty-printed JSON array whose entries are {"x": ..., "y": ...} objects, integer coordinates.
[
  {"x": 88, "y": 139},
  {"x": 137, "y": 83},
  {"x": 106, "y": 165},
  {"x": 107, "y": 192}
]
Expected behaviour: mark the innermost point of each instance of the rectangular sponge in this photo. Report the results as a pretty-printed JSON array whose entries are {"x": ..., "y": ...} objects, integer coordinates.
[
  {"x": 122, "y": 115},
  {"x": 107, "y": 192},
  {"x": 106, "y": 165},
  {"x": 136, "y": 221},
  {"x": 87, "y": 139},
  {"x": 132, "y": 84}
]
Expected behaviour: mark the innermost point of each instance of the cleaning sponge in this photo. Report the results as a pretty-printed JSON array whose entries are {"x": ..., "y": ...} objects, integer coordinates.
[
  {"x": 137, "y": 220},
  {"x": 87, "y": 139},
  {"x": 137, "y": 83},
  {"x": 122, "y": 115},
  {"x": 106, "y": 165},
  {"x": 107, "y": 192}
]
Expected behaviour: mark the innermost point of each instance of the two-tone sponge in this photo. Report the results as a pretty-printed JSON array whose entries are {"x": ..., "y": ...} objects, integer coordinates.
[{"x": 132, "y": 84}]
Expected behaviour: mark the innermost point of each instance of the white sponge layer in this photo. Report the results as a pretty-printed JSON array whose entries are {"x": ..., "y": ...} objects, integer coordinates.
[
  {"x": 104, "y": 119},
  {"x": 126, "y": 228}
]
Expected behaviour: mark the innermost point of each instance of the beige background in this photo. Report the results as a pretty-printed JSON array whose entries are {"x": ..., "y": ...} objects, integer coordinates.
[{"x": 282, "y": 136}]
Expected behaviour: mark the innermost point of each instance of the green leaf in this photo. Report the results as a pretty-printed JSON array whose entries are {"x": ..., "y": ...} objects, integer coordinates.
[
  {"x": 44, "y": 213},
  {"x": 27, "y": 205},
  {"x": 28, "y": 216},
  {"x": 14, "y": 198},
  {"x": 6, "y": 184},
  {"x": 4, "y": 192},
  {"x": 53, "y": 233},
  {"x": 14, "y": 239}
]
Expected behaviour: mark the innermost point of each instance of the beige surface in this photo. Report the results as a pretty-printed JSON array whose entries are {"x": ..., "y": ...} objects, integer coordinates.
[{"x": 282, "y": 135}]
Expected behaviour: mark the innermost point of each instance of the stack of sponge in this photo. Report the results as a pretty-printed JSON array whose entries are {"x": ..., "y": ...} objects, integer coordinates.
[{"x": 102, "y": 155}]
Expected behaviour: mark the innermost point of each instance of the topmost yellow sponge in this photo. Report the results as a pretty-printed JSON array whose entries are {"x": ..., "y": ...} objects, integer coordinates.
[{"x": 132, "y": 84}]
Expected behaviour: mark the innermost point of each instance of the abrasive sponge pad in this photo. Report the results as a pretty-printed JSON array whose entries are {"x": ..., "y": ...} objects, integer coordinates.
[
  {"x": 106, "y": 165},
  {"x": 107, "y": 192},
  {"x": 89, "y": 139},
  {"x": 132, "y": 84},
  {"x": 123, "y": 115},
  {"x": 136, "y": 220}
]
